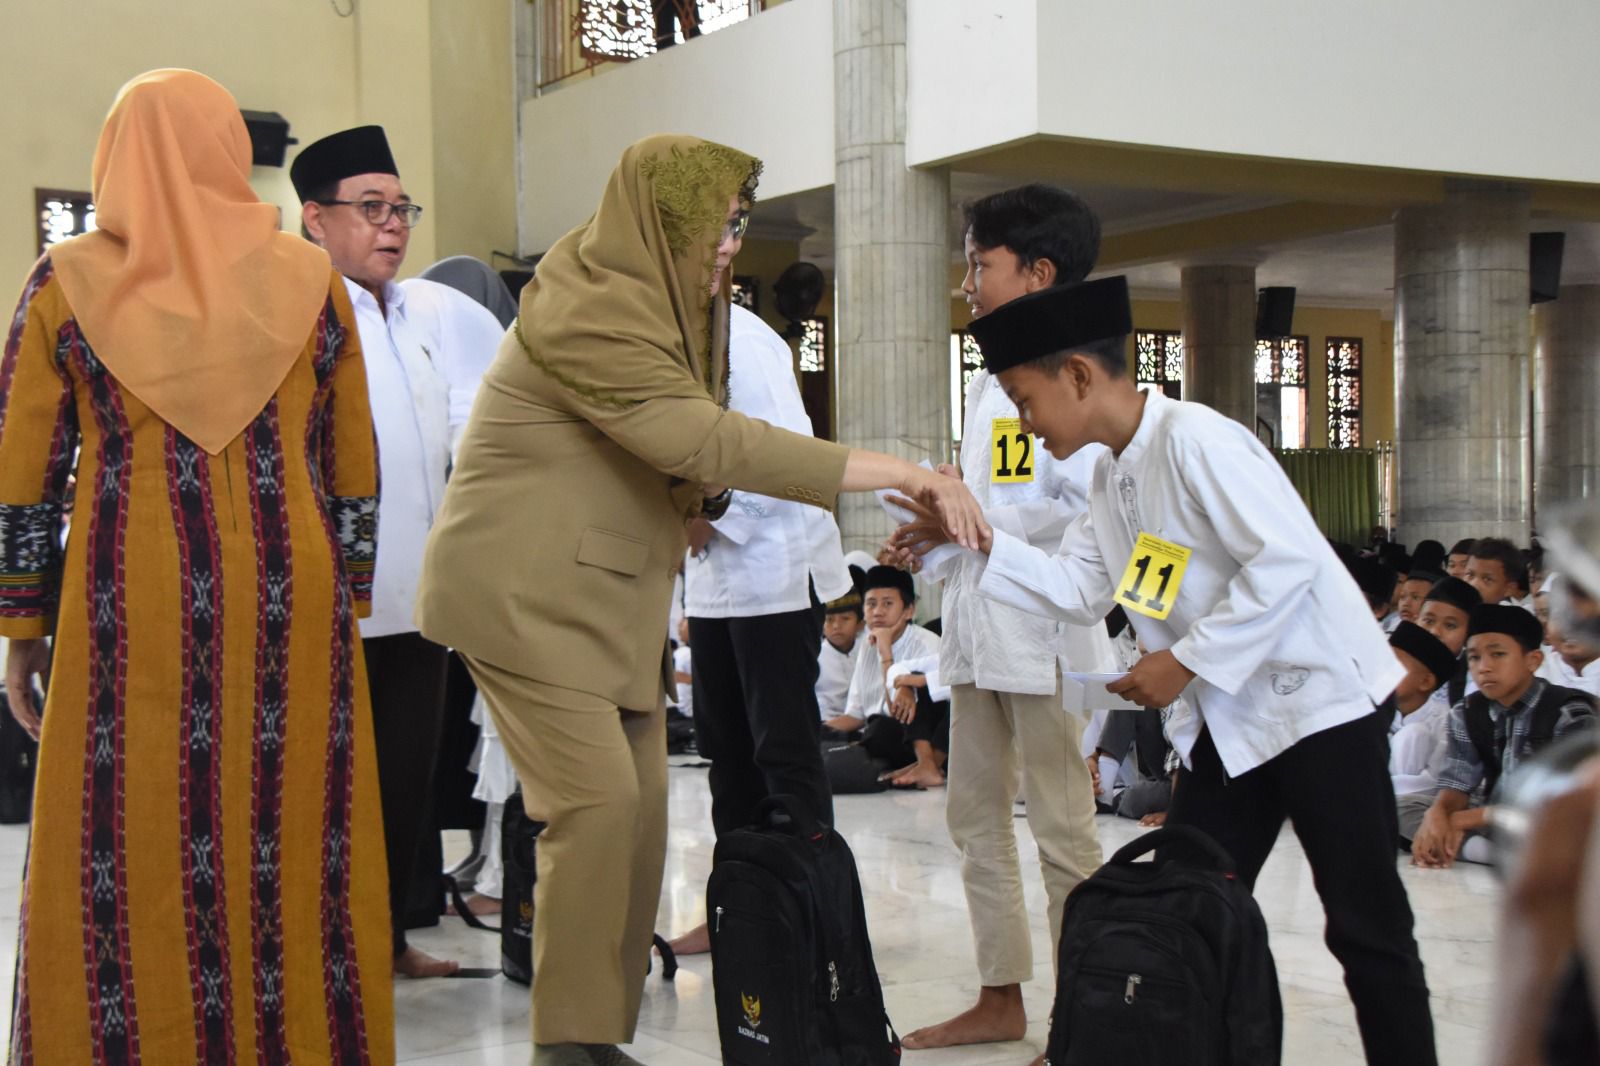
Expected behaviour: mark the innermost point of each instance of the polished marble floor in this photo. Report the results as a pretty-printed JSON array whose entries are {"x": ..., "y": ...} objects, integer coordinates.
[{"x": 923, "y": 947}]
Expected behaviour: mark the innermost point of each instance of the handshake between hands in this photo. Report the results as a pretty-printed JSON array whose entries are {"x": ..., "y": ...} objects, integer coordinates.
[
  {"x": 944, "y": 515},
  {"x": 1154, "y": 681}
]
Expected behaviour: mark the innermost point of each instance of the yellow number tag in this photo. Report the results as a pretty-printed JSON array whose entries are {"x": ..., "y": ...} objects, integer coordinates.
[
  {"x": 1011, "y": 451},
  {"x": 1155, "y": 573}
]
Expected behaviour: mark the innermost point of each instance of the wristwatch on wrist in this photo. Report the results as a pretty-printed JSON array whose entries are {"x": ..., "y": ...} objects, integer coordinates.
[{"x": 714, "y": 507}]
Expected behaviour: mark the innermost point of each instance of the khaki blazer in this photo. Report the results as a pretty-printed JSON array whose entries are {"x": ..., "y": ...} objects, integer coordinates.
[{"x": 562, "y": 527}]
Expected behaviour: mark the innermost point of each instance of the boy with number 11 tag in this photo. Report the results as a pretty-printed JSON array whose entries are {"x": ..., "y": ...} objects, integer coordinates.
[{"x": 1193, "y": 528}]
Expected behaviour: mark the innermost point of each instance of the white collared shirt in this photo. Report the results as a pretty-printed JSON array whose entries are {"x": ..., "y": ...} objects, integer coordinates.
[
  {"x": 1280, "y": 638},
  {"x": 986, "y": 643},
  {"x": 1557, "y": 671},
  {"x": 867, "y": 695},
  {"x": 1417, "y": 748},
  {"x": 468, "y": 337},
  {"x": 766, "y": 554},
  {"x": 835, "y": 668},
  {"x": 410, "y": 395}
]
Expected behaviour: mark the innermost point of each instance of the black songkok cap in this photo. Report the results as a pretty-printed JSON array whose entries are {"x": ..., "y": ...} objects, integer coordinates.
[
  {"x": 850, "y": 602},
  {"x": 1058, "y": 319},
  {"x": 363, "y": 150},
  {"x": 1375, "y": 579},
  {"x": 1424, "y": 575},
  {"x": 1456, "y": 593},
  {"x": 891, "y": 577},
  {"x": 1514, "y": 622},
  {"x": 1427, "y": 649}
]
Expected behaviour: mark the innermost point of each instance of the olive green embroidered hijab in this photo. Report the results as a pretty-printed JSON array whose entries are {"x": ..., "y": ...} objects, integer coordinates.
[{"x": 638, "y": 273}]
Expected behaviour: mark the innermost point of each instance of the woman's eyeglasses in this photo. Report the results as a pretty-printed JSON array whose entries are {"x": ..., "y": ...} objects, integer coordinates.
[
  {"x": 734, "y": 228},
  {"x": 378, "y": 211}
]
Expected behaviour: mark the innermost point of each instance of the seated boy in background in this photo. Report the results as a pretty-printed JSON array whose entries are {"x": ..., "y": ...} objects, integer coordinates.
[
  {"x": 1456, "y": 562},
  {"x": 1496, "y": 569},
  {"x": 1568, "y": 662},
  {"x": 1429, "y": 663},
  {"x": 1512, "y": 716},
  {"x": 1417, "y": 748},
  {"x": 910, "y": 730},
  {"x": 836, "y": 661},
  {"x": 1414, "y": 590}
]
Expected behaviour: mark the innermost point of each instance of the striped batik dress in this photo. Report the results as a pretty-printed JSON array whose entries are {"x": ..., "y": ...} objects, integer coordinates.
[{"x": 205, "y": 881}]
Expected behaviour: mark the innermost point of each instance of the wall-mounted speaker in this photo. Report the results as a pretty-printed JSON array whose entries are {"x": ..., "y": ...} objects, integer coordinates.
[
  {"x": 1544, "y": 266},
  {"x": 1275, "y": 311},
  {"x": 269, "y": 137}
]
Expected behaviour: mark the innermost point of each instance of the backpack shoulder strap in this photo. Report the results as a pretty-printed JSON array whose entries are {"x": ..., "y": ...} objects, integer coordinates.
[{"x": 1480, "y": 729}]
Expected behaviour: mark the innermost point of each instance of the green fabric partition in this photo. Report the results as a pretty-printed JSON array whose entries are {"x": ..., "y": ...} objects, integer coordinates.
[{"x": 1340, "y": 487}]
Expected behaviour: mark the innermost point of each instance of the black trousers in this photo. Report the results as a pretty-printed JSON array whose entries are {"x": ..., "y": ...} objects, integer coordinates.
[
  {"x": 755, "y": 712},
  {"x": 890, "y": 740},
  {"x": 1334, "y": 787},
  {"x": 405, "y": 677}
]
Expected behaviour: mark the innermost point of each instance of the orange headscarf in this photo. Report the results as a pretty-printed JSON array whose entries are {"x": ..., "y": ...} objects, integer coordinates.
[{"x": 188, "y": 292}]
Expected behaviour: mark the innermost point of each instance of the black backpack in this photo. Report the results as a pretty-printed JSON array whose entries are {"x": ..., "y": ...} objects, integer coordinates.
[
  {"x": 519, "y": 836},
  {"x": 519, "y": 843},
  {"x": 1165, "y": 962},
  {"x": 792, "y": 970}
]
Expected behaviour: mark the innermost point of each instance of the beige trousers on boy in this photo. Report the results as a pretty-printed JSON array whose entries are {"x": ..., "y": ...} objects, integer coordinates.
[
  {"x": 996, "y": 740},
  {"x": 598, "y": 776}
]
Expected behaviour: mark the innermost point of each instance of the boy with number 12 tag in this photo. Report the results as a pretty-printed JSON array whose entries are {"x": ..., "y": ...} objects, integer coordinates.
[{"x": 1193, "y": 528}]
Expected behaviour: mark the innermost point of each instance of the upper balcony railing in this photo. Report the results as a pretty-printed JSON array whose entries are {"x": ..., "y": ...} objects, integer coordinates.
[{"x": 579, "y": 37}]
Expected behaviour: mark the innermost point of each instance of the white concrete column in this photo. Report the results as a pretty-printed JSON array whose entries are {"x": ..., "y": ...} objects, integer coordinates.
[
  {"x": 1219, "y": 339},
  {"x": 1461, "y": 365},
  {"x": 1566, "y": 397},
  {"x": 891, "y": 262}
]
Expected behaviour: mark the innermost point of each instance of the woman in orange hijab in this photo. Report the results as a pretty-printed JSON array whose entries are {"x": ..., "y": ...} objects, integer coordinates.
[{"x": 206, "y": 877}]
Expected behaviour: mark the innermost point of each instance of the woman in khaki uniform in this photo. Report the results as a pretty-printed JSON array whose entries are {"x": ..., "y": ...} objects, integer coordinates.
[{"x": 599, "y": 431}]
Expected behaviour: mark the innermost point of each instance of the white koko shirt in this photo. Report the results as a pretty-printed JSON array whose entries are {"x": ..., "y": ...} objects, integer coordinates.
[
  {"x": 765, "y": 554},
  {"x": 419, "y": 376},
  {"x": 867, "y": 690},
  {"x": 834, "y": 671},
  {"x": 1280, "y": 638},
  {"x": 986, "y": 643}
]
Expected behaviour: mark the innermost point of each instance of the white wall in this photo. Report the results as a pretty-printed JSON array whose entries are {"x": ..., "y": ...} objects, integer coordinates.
[
  {"x": 972, "y": 73},
  {"x": 1458, "y": 86},
  {"x": 764, "y": 86}
]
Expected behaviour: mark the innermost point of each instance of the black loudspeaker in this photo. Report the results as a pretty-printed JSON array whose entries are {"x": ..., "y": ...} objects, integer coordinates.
[
  {"x": 1275, "y": 311},
  {"x": 269, "y": 137},
  {"x": 1544, "y": 266}
]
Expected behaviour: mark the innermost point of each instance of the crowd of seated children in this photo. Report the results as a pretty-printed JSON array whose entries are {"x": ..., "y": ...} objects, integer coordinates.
[
  {"x": 1513, "y": 715},
  {"x": 898, "y": 721}
]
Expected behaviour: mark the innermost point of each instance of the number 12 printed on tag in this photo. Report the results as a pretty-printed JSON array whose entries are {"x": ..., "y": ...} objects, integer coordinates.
[
  {"x": 1011, "y": 451},
  {"x": 1155, "y": 572}
]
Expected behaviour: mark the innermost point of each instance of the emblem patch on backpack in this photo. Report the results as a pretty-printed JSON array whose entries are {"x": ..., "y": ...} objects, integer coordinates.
[{"x": 751, "y": 1005}]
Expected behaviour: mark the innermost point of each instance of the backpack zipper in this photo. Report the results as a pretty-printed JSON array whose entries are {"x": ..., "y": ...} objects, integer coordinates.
[
  {"x": 1131, "y": 988},
  {"x": 833, "y": 983}
]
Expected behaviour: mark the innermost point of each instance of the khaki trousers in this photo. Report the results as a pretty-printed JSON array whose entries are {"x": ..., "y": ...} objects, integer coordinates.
[
  {"x": 597, "y": 775},
  {"x": 996, "y": 740}
]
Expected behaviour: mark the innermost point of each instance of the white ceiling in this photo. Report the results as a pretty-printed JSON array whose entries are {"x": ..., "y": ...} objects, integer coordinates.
[{"x": 1353, "y": 268}]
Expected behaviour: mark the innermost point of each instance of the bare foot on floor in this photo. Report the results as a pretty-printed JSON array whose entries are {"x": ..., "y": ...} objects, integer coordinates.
[
  {"x": 996, "y": 1017},
  {"x": 478, "y": 905},
  {"x": 696, "y": 941},
  {"x": 414, "y": 963},
  {"x": 918, "y": 775}
]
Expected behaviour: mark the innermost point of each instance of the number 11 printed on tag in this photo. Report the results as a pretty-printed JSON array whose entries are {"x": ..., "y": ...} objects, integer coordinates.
[
  {"x": 1155, "y": 572},
  {"x": 1011, "y": 451}
]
